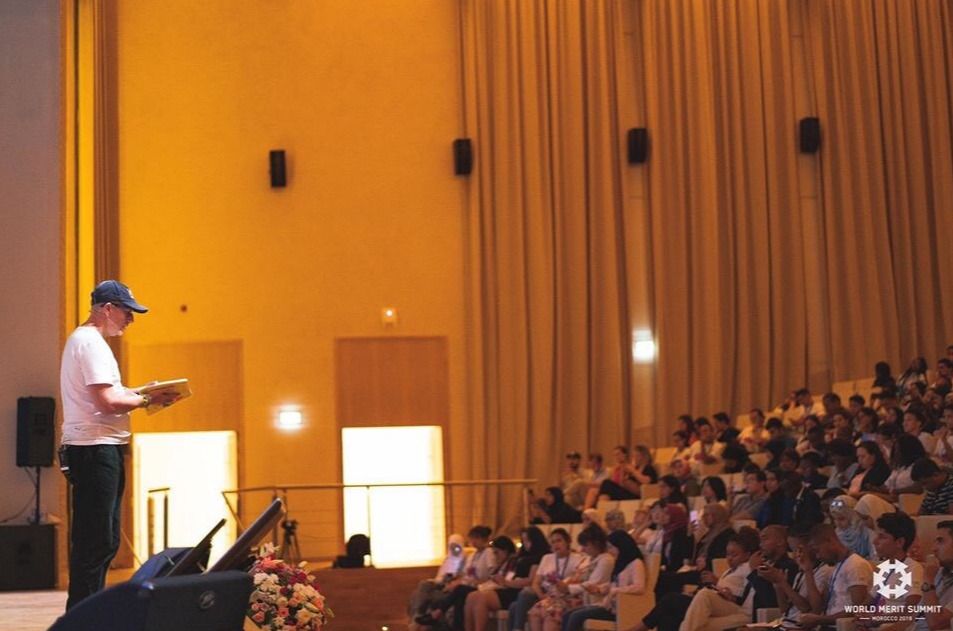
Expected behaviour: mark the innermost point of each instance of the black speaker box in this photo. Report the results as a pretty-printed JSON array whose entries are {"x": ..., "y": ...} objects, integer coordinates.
[
  {"x": 809, "y": 132},
  {"x": 637, "y": 145},
  {"x": 35, "y": 433},
  {"x": 28, "y": 557},
  {"x": 276, "y": 162},
  {"x": 462, "y": 156}
]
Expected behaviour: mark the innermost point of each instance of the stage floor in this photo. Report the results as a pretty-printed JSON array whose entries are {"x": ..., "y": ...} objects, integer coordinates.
[{"x": 30, "y": 611}]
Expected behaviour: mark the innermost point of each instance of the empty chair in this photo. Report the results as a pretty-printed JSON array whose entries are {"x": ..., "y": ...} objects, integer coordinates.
[
  {"x": 650, "y": 492},
  {"x": 628, "y": 508},
  {"x": 910, "y": 502}
]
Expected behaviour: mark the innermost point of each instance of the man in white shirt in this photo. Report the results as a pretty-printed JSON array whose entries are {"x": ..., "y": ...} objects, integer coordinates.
[
  {"x": 706, "y": 450},
  {"x": 754, "y": 436},
  {"x": 851, "y": 579},
  {"x": 96, "y": 409},
  {"x": 809, "y": 589},
  {"x": 895, "y": 535},
  {"x": 938, "y": 587}
]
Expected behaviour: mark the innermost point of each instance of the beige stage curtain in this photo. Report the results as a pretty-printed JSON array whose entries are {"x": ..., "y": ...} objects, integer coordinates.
[
  {"x": 549, "y": 358},
  {"x": 761, "y": 269}
]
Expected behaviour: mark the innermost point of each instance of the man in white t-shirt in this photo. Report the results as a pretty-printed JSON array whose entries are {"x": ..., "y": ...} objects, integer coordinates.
[
  {"x": 96, "y": 409},
  {"x": 895, "y": 535},
  {"x": 850, "y": 582}
]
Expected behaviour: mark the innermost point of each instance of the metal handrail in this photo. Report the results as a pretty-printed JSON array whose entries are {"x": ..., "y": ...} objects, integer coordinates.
[{"x": 283, "y": 489}]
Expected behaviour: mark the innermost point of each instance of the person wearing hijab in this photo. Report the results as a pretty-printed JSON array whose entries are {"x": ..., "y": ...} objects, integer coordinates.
[
  {"x": 628, "y": 576},
  {"x": 676, "y": 542},
  {"x": 558, "y": 511},
  {"x": 430, "y": 590},
  {"x": 850, "y": 527},
  {"x": 712, "y": 545}
]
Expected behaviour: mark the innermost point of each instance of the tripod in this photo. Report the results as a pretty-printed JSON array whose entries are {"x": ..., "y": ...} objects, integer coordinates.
[{"x": 289, "y": 542}]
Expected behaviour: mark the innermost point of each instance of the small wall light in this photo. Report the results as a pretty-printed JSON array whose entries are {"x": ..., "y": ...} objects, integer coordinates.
[
  {"x": 389, "y": 316},
  {"x": 643, "y": 346},
  {"x": 290, "y": 418}
]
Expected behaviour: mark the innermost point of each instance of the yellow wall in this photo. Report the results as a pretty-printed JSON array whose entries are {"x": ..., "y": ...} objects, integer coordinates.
[{"x": 364, "y": 97}]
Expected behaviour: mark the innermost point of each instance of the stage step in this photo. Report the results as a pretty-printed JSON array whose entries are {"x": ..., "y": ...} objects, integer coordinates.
[{"x": 368, "y": 599}]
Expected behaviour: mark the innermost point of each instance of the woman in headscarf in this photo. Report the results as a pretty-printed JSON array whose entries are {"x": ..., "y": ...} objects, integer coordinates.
[
  {"x": 851, "y": 529},
  {"x": 676, "y": 542},
  {"x": 558, "y": 511},
  {"x": 712, "y": 545},
  {"x": 628, "y": 576},
  {"x": 431, "y": 590}
]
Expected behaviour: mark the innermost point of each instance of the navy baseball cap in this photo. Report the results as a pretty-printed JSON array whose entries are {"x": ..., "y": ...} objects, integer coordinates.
[{"x": 116, "y": 292}]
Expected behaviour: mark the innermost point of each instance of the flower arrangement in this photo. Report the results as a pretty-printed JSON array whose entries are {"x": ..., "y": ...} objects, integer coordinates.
[{"x": 285, "y": 598}]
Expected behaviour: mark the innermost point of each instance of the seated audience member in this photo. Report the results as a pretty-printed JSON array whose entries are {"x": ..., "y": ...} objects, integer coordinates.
[
  {"x": 851, "y": 528},
  {"x": 710, "y": 546},
  {"x": 906, "y": 450},
  {"x": 591, "y": 516},
  {"x": 944, "y": 436},
  {"x": 754, "y": 437},
  {"x": 687, "y": 482},
  {"x": 895, "y": 535},
  {"x": 808, "y": 467},
  {"x": 808, "y": 592},
  {"x": 597, "y": 468},
  {"x": 916, "y": 372},
  {"x": 807, "y": 505},
  {"x": 557, "y": 510},
  {"x": 430, "y": 590},
  {"x": 887, "y": 434},
  {"x": 479, "y": 563},
  {"x": 537, "y": 510},
  {"x": 914, "y": 423},
  {"x": 938, "y": 485},
  {"x": 714, "y": 491},
  {"x": 686, "y": 423},
  {"x": 773, "y": 553},
  {"x": 547, "y": 614},
  {"x": 615, "y": 520},
  {"x": 872, "y": 470},
  {"x": 356, "y": 550},
  {"x": 626, "y": 478},
  {"x": 683, "y": 449},
  {"x": 575, "y": 481},
  {"x": 647, "y": 528},
  {"x": 867, "y": 421},
  {"x": 803, "y": 405},
  {"x": 676, "y": 541},
  {"x": 778, "y": 508},
  {"x": 748, "y": 505},
  {"x": 855, "y": 403},
  {"x": 734, "y": 458},
  {"x": 851, "y": 578},
  {"x": 725, "y": 432},
  {"x": 508, "y": 582},
  {"x": 706, "y": 450},
  {"x": 789, "y": 460},
  {"x": 938, "y": 586},
  {"x": 778, "y": 440},
  {"x": 811, "y": 423},
  {"x": 842, "y": 424},
  {"x": 672, "y": 608},
  {"x": 628, "y": 577},
  {"x": 670, "y": 490},
  {"x": 944, "y": 376},
  {"x": 883, "y": 377},
  {"x": 501, "y": 550},
  {"x": 555, "y": 570}
]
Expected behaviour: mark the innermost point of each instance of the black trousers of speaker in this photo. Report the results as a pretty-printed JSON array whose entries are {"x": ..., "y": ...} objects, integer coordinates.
[
  {"x": 28, "y": 557},
  {"x": 35, "y": 433}
]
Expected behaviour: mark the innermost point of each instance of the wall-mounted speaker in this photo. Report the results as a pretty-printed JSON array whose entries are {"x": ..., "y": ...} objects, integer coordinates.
[
  {"x": 35, "y": 431},
  {"x": 276, "y": 167},
  {"x": 637, "y": 145},
  {"x": 462, "y": 156},
  {"x": 809, "y": 134}
]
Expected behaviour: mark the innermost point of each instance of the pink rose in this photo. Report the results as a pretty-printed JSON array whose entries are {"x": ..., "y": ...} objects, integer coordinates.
[{"x": 259, "y": 617}]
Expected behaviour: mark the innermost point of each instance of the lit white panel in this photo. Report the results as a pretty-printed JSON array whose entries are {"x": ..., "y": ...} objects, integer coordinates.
[
  {"x": 197, "y": 466},
  {"x": 406, "y": 525}
]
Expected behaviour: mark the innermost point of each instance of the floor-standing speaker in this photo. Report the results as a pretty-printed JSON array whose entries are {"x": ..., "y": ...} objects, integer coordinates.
[
  {"x": 27, "y": 557},
  {"x": 35, "y": 433}
]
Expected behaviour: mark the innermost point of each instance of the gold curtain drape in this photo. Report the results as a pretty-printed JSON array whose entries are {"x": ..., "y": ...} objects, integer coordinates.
[
  {"x": 760, "y": 269},
  {"x": 547, "y": 263}
]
